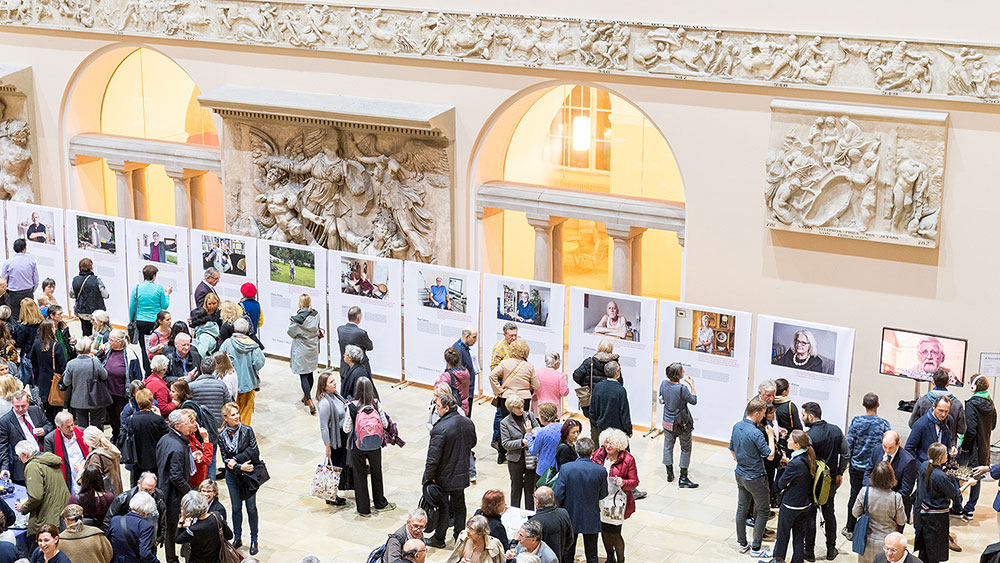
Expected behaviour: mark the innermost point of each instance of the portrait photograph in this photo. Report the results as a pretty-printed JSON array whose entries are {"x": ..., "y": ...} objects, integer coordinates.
[
  {"x": 612, "y": 316},
  {"x": 38, "y": 226},
  {"x": 366, "y": 278},
  {"x": 523, "y": 303},
  {"x": 227, "y": 255},
  {"x": 95, "y": 233},
  {"x": 155, "y": 247},
  {"x": 293, "y": 266},
  {"x": 709, "y": 332},
  {"x": 918, "y": 355},
  {"x": 803, "y": 348},
  {"x": 439, "y": 289}
]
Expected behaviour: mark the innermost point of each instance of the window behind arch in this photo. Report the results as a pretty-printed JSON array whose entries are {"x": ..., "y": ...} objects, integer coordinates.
[{"x": 580, "y": 134}]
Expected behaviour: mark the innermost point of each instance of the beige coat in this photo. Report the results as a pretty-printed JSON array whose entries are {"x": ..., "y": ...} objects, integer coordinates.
[
  {"x": 110, "y": 466},
  {"x": 85, "y": 544},
  {"x": 885, "y": 511},
  {"x": 494, "y": 550},
  {"x": 518, "y": 377}
]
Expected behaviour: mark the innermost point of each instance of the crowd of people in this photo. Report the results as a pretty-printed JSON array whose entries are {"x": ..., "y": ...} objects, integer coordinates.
[{"x": 171, "y": 403}]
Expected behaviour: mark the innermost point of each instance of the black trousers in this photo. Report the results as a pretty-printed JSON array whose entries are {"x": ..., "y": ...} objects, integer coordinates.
[
  {"x": 306, "y": 382},
  {"x": 87, "y": 327},
  {"x": 857, "y": 477},
  {"x": 452, "y": 507},
  {"x": 589, "y": 548},
  {"x": 792, "y": 525},
  {"x": 145, "y": 329},
  {"x": 521, "y": 479},
  {"x": 89, "y": 417},
  {"x": 829, "y": 525},
  {"x": 371, "y": 463},
  {"x": 14, "y": 300},
  {"x": 173, "y": 516},
  {"x": 114, "y": 416}
]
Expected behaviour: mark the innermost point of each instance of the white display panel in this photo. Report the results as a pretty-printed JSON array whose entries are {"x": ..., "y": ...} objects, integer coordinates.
[
  {"x": 428, "y": 330},
  {"x": 633, "y": 334},
  {"x": 285, "y": 271},
  {"x": 823, "y": 376},
  {"x": 3, "y": 238},
  {"x": 713, "y": 344},
  {"x": 375, "y": 285},
  {"x": 165, "y": 247},
  {"x": 50, "y": 254},
  {"x": 540, "y": 321},
  {"x": 234, "y": 256},
  {"x": 101, "y": 238}
]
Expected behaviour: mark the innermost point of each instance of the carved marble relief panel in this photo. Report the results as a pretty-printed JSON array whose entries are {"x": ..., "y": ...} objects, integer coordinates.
[
  {"x": 374, "y": 191},
  {"x": 16, "y": 142},
  {"x": 856, "y": 172}
]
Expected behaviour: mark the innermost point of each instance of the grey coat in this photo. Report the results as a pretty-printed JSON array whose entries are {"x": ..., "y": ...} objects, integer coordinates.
[
  {"x": 332, "y": 411},
  {"x": 303, "y": 328},
  {"x": 80, "y": 371},
  {"x": 511, "y": 435}
]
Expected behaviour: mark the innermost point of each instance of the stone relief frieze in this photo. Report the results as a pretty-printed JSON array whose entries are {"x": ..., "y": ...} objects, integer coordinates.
[
  {"x": 908, "y": 68},
  {"x": 367, "y": 191},
  {"x": 856, "y": 172},
  {"x": 17, "y": 167}
]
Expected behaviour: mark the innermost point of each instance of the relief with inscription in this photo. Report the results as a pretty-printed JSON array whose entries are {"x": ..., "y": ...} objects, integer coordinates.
[{"x": 856, "y": 172}]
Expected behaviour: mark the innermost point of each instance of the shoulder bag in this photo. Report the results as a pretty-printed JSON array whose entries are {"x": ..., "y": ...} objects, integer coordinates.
[
  {"x": 499, "y": 400},
  {"x": 583, "y": 393},
  {"x": 227, "y": 553},
  {"x": 860, "y": 538},
  {"x": 133, "y": 326},
  {"x": 57, "y": 397}
]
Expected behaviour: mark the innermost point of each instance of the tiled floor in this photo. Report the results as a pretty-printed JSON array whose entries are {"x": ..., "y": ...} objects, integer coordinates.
[{"x": 670, "y": 525}]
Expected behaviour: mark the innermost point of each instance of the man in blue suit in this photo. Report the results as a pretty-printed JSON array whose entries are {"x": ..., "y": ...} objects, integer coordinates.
[
  {"x": 579, "y": 488},
  {"x": 134, "y": 540},
  {"x": 903, "y": 466}
]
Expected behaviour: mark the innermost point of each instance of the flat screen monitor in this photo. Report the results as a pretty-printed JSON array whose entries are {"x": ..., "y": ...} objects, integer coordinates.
[
  {"x": 455, "y": 285},
  {"x": 917, "y": 355}
]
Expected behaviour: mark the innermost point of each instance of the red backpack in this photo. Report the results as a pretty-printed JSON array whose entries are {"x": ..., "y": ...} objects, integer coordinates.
[{"x": 368, "y": 429}]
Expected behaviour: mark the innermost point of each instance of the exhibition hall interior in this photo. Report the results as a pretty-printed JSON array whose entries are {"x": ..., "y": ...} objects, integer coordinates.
[{"x": 750, "y": 193}]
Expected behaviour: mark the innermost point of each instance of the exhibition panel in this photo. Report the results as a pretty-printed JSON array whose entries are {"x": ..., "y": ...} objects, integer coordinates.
[
  {"x": 166, "y": 247},
  {"x": 234, "y": 257},
  {"x": 285, "y": 273},
  {"x": 98, "y": 237},
  {"x": 42, "y": 228}
]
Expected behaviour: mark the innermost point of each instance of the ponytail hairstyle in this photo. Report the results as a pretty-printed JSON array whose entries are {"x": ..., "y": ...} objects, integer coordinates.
[
  {"x": 802, "y": 440},
  {"x": 934, "y": 453}
]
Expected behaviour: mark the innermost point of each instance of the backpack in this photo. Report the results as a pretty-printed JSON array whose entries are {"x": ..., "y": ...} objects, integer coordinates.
[
  {"x": 205, "y": 419},
  {"x": 454, "y": 388},
  {"x": 822, "y": 483},
  {"x": 368, "y": 429},
  {"x": 376, "y": 555}
]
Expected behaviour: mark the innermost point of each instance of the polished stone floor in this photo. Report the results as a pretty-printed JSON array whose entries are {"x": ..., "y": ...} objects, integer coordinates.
[{"x": 670, "y": 525}]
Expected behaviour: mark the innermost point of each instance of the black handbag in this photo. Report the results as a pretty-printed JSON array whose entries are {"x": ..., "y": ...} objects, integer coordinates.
[
  {"x": 133, "y": 327},
  {"x": 683, "y": 422}
]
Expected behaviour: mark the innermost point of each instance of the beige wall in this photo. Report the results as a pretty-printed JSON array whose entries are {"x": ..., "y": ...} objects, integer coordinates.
[{"x": 718, "y": 135}]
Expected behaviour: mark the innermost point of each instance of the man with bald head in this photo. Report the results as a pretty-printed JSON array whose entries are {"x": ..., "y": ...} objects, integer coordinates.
[
  {"x": 903, "y": 466},
  {"x": 414, "y": 551},
  {"x": 895, "y": 550}
]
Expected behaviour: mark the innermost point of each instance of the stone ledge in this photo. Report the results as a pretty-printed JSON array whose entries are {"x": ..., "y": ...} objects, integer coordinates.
[{"x": 170, "y": 154}]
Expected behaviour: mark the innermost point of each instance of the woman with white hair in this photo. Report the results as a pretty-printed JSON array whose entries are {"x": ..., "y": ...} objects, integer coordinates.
[
  {"x": 623, "y": 478},
  {"x": 102, "y": 331},
  {"x": 123, "y": 366},
  {"x": 552, "y": 385},
  {"x": 305, "y": 332},
  {"x": 85, "y": 383},
  {"x": 104, "y": 456},
  {"x": 201, "y": 529},
  {"x": 157, "y": 386},
  {"x": 476, "y": 545},
  {"x": 133, "y": 539},
  {"x": 803, "y": 353},
  {"x": 516, "y": 434},
  {"x": 356, "y": 369}
]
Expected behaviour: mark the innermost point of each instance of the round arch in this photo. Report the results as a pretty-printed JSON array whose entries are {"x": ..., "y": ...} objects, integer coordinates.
[{"x": 488, "y": 163}]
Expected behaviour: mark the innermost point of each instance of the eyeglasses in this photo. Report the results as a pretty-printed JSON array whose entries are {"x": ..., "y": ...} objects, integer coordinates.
[{"x": 926, "y": 353}]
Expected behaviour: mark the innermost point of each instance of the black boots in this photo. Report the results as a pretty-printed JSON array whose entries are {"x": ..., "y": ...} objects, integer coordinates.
[
  {"x": 670, "y": 473},
  {"x": 683, "y": 482}
]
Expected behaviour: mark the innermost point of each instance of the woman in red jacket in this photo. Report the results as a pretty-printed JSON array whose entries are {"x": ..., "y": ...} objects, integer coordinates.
[{"x": 623, "y": 478}]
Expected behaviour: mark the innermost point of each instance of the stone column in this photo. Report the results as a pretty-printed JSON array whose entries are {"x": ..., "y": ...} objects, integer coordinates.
[
  {"x": 543, "y": 225},
  {"x": 557, "y": 251},
  {"x": 199, "y": 211},
  {"x": 621, "y": 256},
  {"x": 126, "y": 188},
  {"x": 182, "y": 194}
]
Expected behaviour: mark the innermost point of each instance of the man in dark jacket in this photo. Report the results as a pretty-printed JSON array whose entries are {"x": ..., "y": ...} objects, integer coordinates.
[
  {"x": 931, "y": 427},
  {"x": 981, "y": 419},
  {"x": 557, "y": 529},
  {"x": 23, "y": 421},
  {"x": 146, "y": 428},
  {"x": 830, "y": 446},
  {"x": 580, "y": 486},
  {"x": 173, "y": 460},
  {"x": 591, "y": 370},
  {"x": 206, "y": 286},
  {"x": 121, "y": 504},
  {"x": 351, "y": 333},
  {"x": 184, "y": 360},
  {"x": 609, "y": 403},
  {"x": 452, "y": 439},
  {"x": 470, "y": 335},
  {"x": 956, "y": 422},
  {"x": 904, "y": 467}
]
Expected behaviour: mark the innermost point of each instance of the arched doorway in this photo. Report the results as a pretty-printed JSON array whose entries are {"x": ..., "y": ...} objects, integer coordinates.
[
  {"x": 580, "y": 139},
  {"x": 130, "y": 94}
]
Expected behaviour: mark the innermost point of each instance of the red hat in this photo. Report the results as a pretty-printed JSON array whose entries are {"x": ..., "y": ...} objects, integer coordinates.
[{"x": 248, "y": 290}]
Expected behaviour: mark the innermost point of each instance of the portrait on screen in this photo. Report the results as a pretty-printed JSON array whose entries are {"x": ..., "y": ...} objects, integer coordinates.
[{"x": 918, "y": 355}]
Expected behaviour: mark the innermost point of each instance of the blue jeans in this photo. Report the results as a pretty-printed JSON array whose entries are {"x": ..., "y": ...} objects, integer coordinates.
[
  {"x": 237, "y": 507},
  {"x": 970, "y": 506},
  {"x": 213, "y": 465}
]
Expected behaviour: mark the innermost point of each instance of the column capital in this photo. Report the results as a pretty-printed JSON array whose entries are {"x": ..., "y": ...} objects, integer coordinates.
[
  {"x": 543, "y": 220},
  {"x": 123, "y": 166},
  {"x": 623, "y": 232},
  {"x": 681, "y": 236},
  {"x": 183, "y": 173}
]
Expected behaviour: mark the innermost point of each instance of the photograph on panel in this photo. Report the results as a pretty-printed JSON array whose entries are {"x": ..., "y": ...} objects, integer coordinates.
[
  {"x": 804, "y": 348},
  {"x": 523, "y": 303},
  {"x": 37, "y": 225},
  {"x": 439, "y": 289},
  {"x": 293, "y": 265},
  {"x": 155, "y": 247},
  {"x": 918, "y": 355},
  {"x": 612, "y": 316},
  {"x": 709, "y": 332},
  {"x": 95, "y": 233},
  {"x": 366, "y": 278},
  {"x": 227, "y": 255}
]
